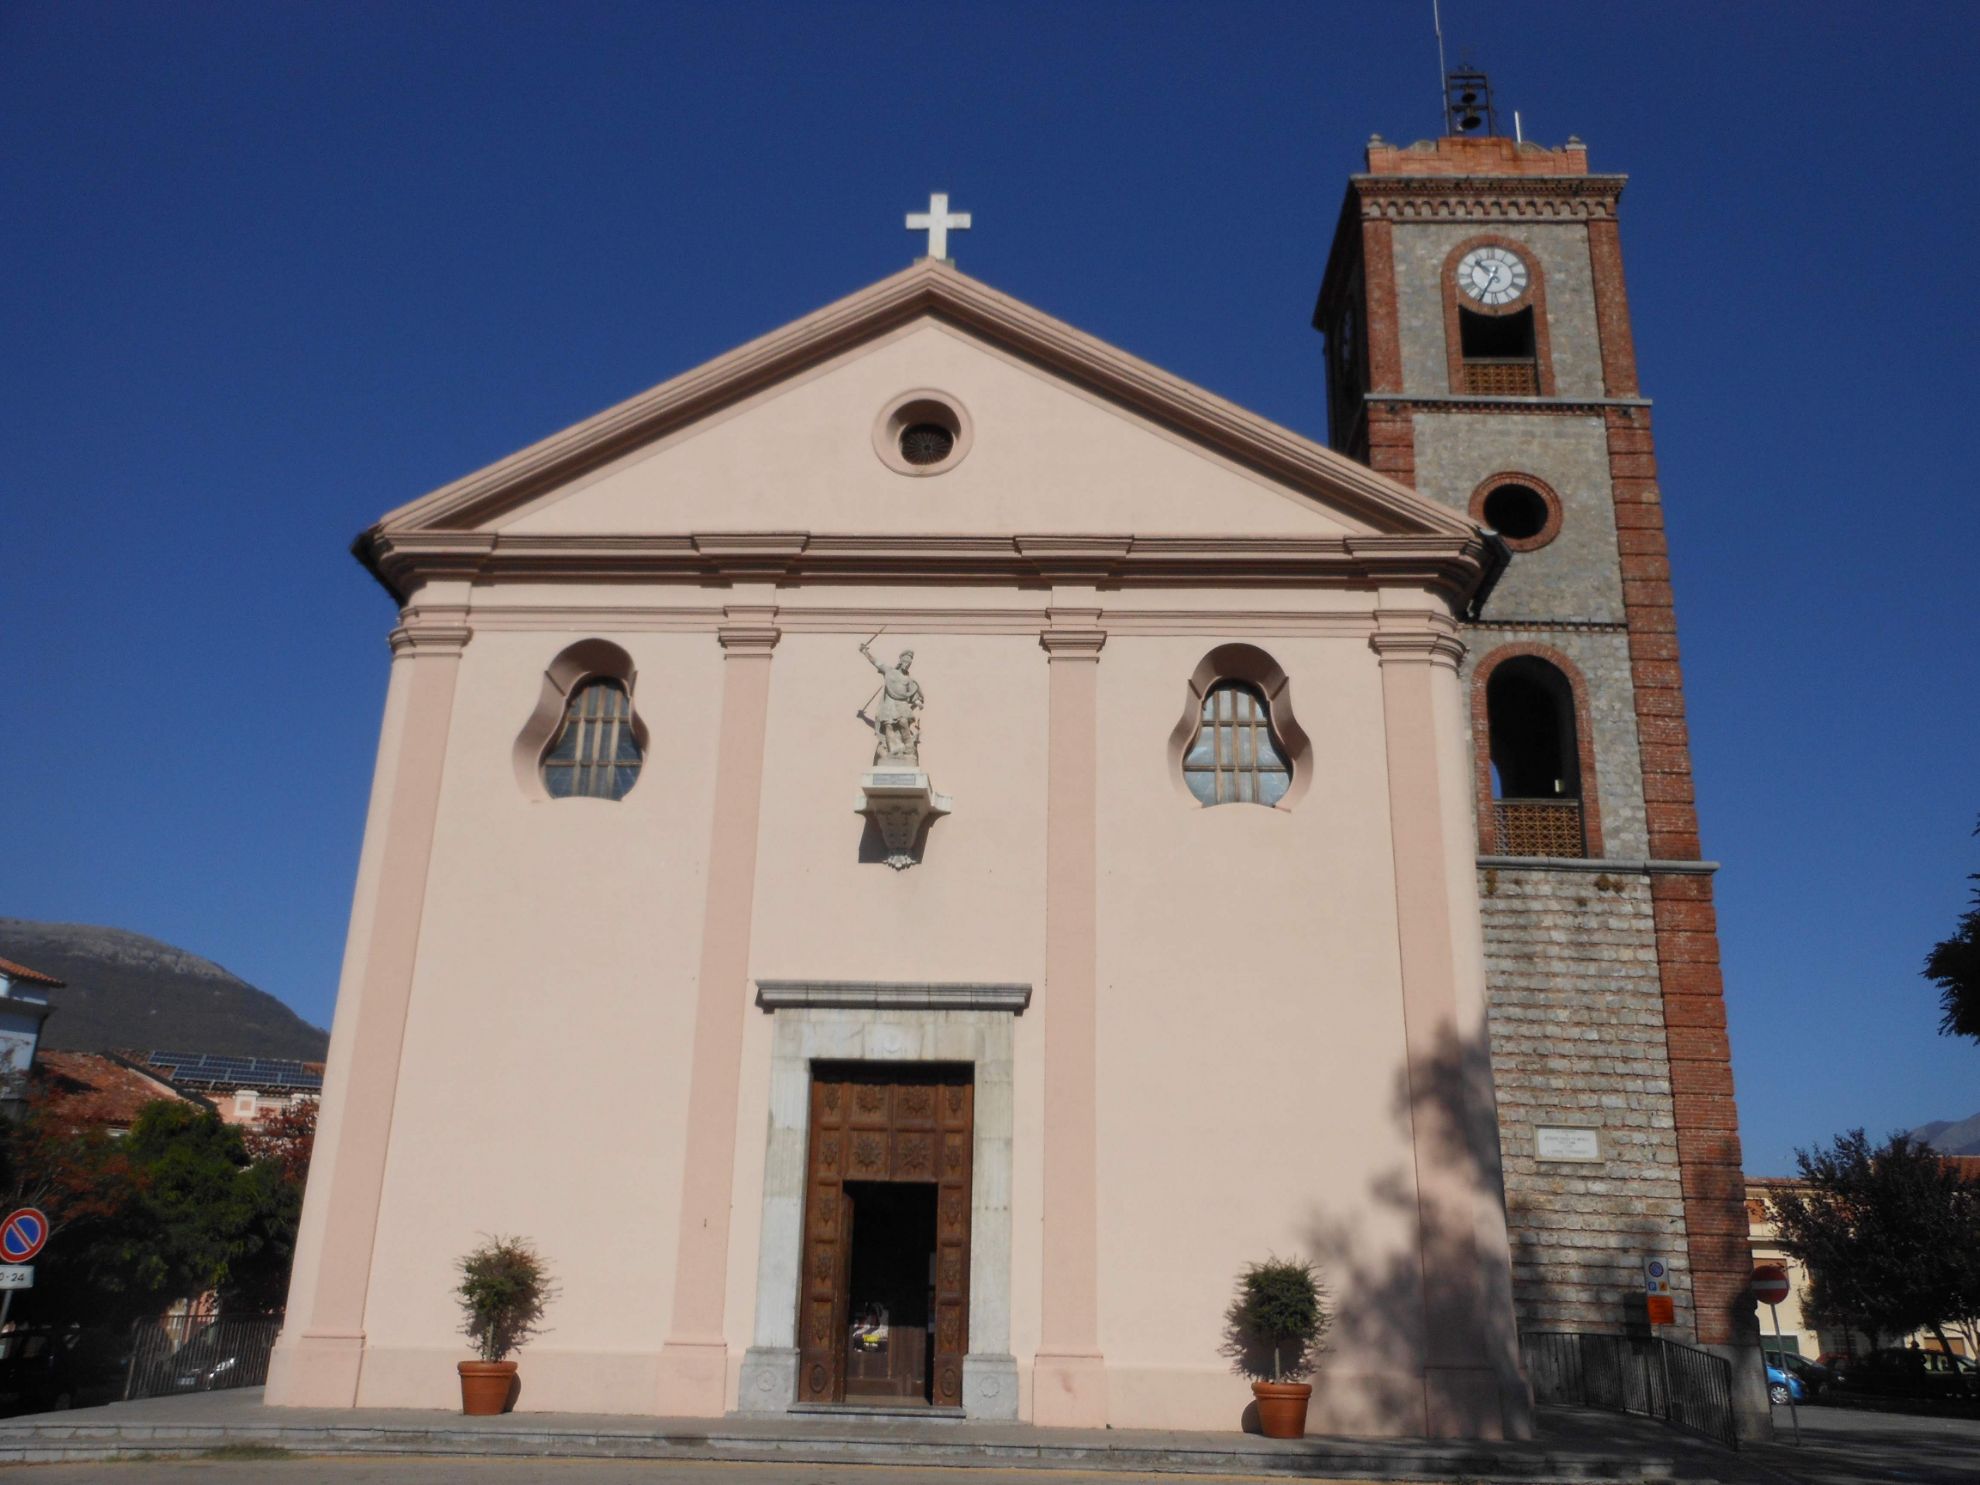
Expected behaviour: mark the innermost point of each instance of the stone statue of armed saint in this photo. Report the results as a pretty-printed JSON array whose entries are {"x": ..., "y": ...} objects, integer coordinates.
[{"x": 897, "y": 724}]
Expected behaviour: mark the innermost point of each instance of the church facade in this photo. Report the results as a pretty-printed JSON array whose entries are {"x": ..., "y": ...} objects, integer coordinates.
[{"x": 903, "y": 858}]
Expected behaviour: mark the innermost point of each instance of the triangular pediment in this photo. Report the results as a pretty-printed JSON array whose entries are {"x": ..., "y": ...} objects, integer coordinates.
[{"x": 1080, "y": 438}]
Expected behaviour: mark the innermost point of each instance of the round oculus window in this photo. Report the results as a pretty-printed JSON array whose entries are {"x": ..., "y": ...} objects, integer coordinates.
[
  {"x": 924, "y": 432},
  {"x": 926, "y": 443},
  {"x": 1517, "y": 512}
]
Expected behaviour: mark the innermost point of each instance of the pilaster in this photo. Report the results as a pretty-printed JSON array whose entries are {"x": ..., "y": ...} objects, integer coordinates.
[
  {"x": 1471, "y": 1379},
  {"x": 694, "y": 1359},
  {"x": 1069, "y": 1380},
  {"x": 319, "y": 1358}
]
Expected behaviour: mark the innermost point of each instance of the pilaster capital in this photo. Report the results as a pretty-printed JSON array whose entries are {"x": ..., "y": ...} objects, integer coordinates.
[
  {"x": 1072, "y": 634},
  {"x": 423, "y": 635},
  {"x": 1417, "y": 638},
  {"x": 748, "y": 630}
]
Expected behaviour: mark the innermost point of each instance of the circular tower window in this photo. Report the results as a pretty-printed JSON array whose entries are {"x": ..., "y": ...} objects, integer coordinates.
[{"x": 1523, "y": 510}]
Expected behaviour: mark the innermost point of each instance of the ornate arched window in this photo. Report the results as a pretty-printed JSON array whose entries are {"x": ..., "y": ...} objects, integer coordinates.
[
  {"x": 595, "y": 754},
  {"x": 1235, "y": 757}
]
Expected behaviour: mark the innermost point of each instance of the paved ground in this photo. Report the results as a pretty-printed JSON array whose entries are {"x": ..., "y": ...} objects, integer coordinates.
[
  {"x": 1839, "y": 1447},
  {"x": 308, "y": 1471},
  {"x": 1843, "y": 1446},
  {"x": 1573, "y": 1445}
]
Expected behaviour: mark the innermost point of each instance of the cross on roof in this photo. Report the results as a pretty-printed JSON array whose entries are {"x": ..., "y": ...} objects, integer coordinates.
[{"x": 937, "y": 221}]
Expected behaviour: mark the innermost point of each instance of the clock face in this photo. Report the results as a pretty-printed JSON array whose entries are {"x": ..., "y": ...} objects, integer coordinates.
[{"x": 1492, "y": 275}]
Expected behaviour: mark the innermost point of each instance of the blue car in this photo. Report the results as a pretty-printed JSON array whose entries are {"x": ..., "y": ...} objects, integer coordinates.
[{"x": 1784, "y": 1387}]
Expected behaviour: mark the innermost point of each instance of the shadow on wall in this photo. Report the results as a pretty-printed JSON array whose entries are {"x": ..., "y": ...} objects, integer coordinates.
[
  {"x": 874, "y": 850},
  {"x": 1450, "y": 1303}
]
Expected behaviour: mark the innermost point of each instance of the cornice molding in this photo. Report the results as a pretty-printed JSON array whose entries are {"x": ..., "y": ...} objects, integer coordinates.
[
  {"x": 1451, "y": 565},
  {"x": 1486, "y": 198},
  {"x": 928, "y": 288},
  {"x": 1634, "y": 866},
  {"x": 862, "y": 995},
  {"x": 1466, "y": 402}
]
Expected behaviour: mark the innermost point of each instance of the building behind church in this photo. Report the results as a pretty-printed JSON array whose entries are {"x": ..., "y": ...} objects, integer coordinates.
[{"x": 1264, "y": 848}]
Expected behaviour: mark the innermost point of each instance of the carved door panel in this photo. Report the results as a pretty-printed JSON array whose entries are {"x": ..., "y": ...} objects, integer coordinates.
[
  {"x": 827, "y": 1252},
  {"x": 955, "y": 1109},
  {"x": 876, "y": 1123}
]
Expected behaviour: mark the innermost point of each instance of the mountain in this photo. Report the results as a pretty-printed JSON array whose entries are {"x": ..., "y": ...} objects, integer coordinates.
[
  {"x": 128, "y": 991},
  {"x": 1962, "y": 1138}
]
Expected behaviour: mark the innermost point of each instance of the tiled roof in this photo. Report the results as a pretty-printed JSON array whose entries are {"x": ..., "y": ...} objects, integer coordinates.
[
  {"x": 89, "y": 1088},
  {"x": 15, "y": 971}
]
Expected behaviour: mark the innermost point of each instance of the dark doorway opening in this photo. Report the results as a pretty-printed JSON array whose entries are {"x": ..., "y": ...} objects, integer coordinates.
[{"x": 890, "y": 1312}]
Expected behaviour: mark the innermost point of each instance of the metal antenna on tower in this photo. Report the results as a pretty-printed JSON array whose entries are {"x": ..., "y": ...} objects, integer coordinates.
[{"x": 1443, "y": 77}]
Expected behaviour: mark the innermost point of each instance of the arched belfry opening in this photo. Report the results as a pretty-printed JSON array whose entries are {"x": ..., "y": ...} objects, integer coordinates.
[
  {"x": 1501, "y": 353},
  {"x": 1535, "y": 759}
]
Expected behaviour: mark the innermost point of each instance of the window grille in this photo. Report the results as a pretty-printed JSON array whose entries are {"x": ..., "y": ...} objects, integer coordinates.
[
  {"x": 595, "y": 755},
  {"x": 1234, "y": 758},
  {"x": 1501, "y": 377}
]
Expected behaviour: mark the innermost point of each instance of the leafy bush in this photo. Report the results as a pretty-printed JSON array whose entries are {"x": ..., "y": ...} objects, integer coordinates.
[
  {"x": 504, "y": 1287},
  {"x": 1277, "y": 1325}
]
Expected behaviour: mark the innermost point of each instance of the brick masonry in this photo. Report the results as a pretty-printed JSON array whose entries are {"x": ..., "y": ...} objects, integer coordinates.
[{"x": 1578, "y": 1040}]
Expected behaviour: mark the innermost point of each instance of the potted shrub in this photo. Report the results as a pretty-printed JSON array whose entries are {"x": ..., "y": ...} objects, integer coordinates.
[
  {"x": 504, "y": 1287},
  {"x": 1274, "y": 1332}
]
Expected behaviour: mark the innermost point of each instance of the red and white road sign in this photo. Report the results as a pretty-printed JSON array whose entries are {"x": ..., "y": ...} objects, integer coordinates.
[
  {"x": 22, "y": 1235},
  {"x": 1770, "y": 1283}
]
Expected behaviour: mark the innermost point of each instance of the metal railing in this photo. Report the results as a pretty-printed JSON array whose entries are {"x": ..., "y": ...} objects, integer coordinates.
[
  {"x": 1502, "y": 376},
  {"x": 1645, "y": 1375},
  {"x": 199, "y": 1353},
  {"x": 1540, "y": 827}
]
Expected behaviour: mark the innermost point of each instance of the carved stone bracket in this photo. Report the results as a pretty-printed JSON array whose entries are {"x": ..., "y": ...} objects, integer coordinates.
[{"x": 899, "y": 801}]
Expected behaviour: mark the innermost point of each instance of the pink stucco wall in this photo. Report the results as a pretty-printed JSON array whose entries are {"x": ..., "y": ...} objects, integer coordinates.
[{"x": 1250, "y": 1088}]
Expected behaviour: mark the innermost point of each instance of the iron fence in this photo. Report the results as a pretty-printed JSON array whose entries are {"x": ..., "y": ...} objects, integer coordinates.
[
  {"x": 1645, "y": 1375},
  {"x": 200, "y": 1353}
]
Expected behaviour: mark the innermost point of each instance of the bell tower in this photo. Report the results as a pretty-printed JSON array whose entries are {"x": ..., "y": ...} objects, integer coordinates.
[{"x": 1478, "y": 348}]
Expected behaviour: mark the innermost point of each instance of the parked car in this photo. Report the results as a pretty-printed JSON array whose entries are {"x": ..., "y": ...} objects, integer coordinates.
[
  {"x": 1815, "y": 1378},
  {"x": 1784, "y": 1387},
  {"x": 207, "y": 1362},
  {"x": 1904, "y": 1372}
]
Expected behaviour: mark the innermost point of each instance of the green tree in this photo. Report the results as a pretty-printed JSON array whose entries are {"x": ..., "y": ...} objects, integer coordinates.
[
  {"x": 1954, "y": 966},
  {"x": 279, "y": 1147},
  {"x": 1888, "y": 1235},
  {"x": 191, "y": 1202},
  {"x": 182, "y": 1205}
]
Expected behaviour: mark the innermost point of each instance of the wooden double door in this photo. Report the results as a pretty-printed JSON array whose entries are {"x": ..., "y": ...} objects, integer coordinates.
[{"x": 883, "y": 1299}]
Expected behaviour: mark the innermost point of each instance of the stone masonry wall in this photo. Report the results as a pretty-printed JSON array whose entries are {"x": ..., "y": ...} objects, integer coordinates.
[{"x": 1578, "y": 1041}]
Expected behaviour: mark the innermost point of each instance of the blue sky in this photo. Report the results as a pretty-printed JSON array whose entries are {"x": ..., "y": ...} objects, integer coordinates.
[{"x": 273, "y": 269}]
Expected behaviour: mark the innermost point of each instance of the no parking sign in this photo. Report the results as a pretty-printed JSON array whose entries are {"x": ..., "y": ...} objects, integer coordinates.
[{"x": 22, "y": 1235}]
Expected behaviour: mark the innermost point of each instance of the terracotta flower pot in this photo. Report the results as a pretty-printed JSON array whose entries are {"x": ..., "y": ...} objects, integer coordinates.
[
  {"x": 1282, "y": 1408},
  {"x": 485, "y": 1387}
]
